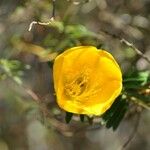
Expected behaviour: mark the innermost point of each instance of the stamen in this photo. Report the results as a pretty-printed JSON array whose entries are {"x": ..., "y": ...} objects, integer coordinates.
[{"x": 77, "y": 86}]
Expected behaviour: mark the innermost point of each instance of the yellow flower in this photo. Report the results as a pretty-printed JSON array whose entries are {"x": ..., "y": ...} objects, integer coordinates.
[{"x": 86, "y": 80}]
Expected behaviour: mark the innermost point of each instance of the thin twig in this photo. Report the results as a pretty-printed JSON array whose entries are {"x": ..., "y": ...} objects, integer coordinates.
[
  {"x": 53, "y": 11},
  {"x": 139, "y": 102},
  {"x": 44, "y": 23},
  {"x": 79, "y": 2},
  {"x": 33, "y": 95},
  {"x": 67, "y": 130},
  {"x": 124, "y": 41},
  {"x": 135, "y": 49},
  {"x": 132, "y": 135},
  {"x": 40, "y": 23},
  {"x": 61, "y": 127}
]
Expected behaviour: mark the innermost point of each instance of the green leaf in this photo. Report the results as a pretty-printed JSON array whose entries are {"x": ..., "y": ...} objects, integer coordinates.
[
  {"x": 109, "y": 113},
  {"x": 78, "y": 31},
  {"x": 115, "y": 114},
  {"x": 50, "y": 64},
  {"x": 68, "y": 117},
  {"x": 136, "y": 79},
  {"x": 82, "y": 118},
  {"x": 119, "y": 117}
]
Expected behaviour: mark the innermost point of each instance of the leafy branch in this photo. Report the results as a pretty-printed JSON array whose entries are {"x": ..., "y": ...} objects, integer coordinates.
[{"x": 133, "y": 84}]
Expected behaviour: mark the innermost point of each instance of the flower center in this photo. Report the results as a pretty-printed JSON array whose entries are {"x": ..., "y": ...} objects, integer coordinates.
[{"x": 77, "y": 86}]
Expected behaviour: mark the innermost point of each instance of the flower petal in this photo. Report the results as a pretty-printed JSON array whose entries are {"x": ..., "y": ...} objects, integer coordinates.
[{"x": 86, "y": 80}]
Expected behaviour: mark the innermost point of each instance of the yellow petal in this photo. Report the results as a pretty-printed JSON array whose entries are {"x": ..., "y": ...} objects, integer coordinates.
[{"x": 86, "y": 80}]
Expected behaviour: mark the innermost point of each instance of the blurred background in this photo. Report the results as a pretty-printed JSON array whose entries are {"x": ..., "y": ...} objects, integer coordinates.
[{"x": 26, "y": 77}]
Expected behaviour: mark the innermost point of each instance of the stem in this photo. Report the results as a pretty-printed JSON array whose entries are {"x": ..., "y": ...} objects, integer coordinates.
[
  {"x": 44, "y": 23},
  {"x": 53, "y": 11},
  {"x": 132, "y": 135},
  {"x": 135, "y": 49},
  {"x": 139, "y": 102}
]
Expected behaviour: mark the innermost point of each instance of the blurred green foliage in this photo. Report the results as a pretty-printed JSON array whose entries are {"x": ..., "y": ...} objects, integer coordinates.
[{"x": 13, "y": 69}]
